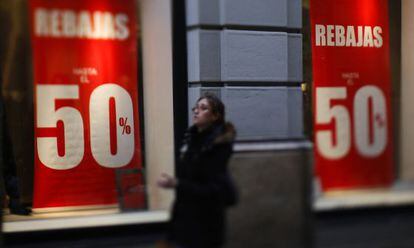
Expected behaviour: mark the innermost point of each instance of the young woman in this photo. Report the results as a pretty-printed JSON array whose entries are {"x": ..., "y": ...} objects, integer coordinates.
[{"x": 203, "y": 185}]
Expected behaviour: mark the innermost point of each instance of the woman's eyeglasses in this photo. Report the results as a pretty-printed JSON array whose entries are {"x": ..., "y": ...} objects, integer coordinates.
[{"x": 201, "y": 107}]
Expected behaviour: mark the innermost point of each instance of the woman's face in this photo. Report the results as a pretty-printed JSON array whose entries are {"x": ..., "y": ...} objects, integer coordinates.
[{"x": 203, "y": 116}]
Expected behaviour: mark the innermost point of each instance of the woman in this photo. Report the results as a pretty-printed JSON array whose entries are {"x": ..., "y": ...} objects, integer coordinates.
[{"x": 203, "y": 185}]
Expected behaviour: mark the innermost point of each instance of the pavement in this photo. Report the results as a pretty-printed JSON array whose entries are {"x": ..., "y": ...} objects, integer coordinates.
[{"x": 385, "y": 227}]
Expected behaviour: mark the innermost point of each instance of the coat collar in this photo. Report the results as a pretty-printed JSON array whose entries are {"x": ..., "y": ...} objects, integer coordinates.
[{"x": 216, "y": 134}]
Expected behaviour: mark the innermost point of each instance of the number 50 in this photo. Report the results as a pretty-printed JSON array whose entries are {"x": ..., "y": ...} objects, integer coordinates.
[
  {"x": 364, "y": 117},
  {"x": 48, "y": 115}
]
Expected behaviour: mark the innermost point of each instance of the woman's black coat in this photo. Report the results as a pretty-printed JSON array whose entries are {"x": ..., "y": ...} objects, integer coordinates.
[{"x": 205, "y": 188}]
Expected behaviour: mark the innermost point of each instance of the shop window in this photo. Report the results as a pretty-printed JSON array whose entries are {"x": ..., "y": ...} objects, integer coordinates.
[{"x": 83, "y": 133}]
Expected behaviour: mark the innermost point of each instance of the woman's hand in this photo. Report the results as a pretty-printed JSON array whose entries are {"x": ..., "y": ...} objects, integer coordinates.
[{"x": 166, "y": 181}]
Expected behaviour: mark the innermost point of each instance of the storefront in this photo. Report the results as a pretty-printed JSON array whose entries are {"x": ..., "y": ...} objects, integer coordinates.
[
  {"x": 78, "y": 76},
  {"x": 105, "y": 86},
  {"x": 362, "y": 159},
  {"x": 97, "y": 96}
]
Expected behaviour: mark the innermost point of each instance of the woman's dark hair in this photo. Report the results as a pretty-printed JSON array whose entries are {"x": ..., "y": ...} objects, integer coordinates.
[{"x": 217, "y": 106}]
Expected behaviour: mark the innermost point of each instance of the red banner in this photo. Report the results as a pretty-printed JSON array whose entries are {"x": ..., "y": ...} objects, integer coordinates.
[
  {"x": 351, "y": 93},
  {"x": 86, "y": 99}
]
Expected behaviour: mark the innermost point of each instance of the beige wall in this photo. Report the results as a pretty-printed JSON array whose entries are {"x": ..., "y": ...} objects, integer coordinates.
[
  {"x": 407, "y": 91},
  {"x": 158, "y": 99}
]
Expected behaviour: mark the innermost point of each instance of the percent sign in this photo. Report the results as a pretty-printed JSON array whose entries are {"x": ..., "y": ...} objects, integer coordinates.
[{"x": 125, "y": 127}]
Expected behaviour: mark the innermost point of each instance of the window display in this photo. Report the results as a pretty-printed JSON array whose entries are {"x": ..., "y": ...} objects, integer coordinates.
[
  {"x": 71, "y": 90},
  {"x": 352, "y": 94}
]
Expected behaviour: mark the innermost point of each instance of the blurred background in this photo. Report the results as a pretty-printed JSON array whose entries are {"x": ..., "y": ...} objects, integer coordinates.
[{"x": 319, "y": 92}]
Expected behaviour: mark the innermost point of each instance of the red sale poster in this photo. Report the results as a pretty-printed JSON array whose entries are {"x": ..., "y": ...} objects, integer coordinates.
[
  {"x": 351, "y": 93},
  {"x": 86, "y": 99}
]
